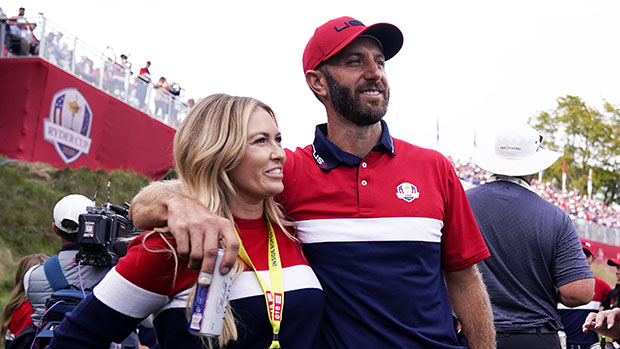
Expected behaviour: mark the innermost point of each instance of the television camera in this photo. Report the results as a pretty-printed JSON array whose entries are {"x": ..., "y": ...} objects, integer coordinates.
[{"x": 104, "y": 233}]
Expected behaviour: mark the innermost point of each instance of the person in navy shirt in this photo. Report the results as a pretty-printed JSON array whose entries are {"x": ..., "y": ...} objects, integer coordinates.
[
  {"x": 536, "y": 258},
  {"x": 384, "y": 224}
]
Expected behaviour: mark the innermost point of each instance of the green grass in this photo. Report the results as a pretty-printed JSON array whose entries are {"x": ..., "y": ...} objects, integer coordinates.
[
  {"x": 28, "y": 192},
  {"x": 605, "y": 272}
]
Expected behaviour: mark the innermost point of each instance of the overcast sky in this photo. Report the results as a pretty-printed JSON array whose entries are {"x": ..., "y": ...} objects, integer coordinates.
[{"x": 469, "y": 64}]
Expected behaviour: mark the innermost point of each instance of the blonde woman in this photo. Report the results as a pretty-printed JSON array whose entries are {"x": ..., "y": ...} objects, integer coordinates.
[
  {"x": 229, "y": 157},
  {"x": 17, "y": 312}
]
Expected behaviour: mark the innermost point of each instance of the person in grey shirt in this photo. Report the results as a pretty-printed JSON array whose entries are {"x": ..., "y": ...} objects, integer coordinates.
[
  {"x": 66, "y": 213},
  {"x": 536, "y": 257}
]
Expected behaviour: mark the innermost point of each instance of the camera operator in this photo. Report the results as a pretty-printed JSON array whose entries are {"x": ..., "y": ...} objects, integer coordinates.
[
  {"x": 65, "y": 225},
  {"x": 43, "y": 284}
]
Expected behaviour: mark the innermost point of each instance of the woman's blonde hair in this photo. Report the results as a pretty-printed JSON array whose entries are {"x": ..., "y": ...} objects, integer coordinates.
[
  {"x": 208, "y": 144},
  {"x": 18, "y": 295}
]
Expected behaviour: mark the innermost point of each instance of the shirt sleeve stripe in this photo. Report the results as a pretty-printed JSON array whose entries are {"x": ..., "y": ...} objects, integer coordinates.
[
  {"x": 121, "y": 295},
  {"x": 593, "y": 305}
]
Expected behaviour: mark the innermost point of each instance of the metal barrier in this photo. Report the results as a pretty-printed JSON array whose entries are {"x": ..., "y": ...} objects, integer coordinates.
[
  {"x": 97, "y": 68},
  {"x": 597, "y": 232}
]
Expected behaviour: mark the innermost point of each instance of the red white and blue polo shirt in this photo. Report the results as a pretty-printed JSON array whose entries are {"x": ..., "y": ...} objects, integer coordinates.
[{"x": 378, "y": 233}]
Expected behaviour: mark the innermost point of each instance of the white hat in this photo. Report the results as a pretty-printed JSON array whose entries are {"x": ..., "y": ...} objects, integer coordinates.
[
  {"x": 70, "y": 207},
  {"x": 516, "y": 152}
]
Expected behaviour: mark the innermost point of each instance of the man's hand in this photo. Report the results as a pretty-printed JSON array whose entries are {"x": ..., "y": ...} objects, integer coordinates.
[
  {"x": 198, "y": 232},
  {"x": 605, "y": 323}
]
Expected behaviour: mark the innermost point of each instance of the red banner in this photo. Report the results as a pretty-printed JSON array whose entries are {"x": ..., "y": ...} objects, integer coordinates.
[
  {"x": 603, "y": 252},
  {"x": 48, "y": 115}
]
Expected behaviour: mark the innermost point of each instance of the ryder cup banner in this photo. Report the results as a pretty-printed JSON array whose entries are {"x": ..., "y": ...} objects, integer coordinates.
[{"x": 69, "y": 124}]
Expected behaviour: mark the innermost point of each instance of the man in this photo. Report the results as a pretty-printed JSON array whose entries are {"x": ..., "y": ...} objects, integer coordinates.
[
  {"x": 573, "y": 318},
  {"x": 66, "y": 214},
  {"x": 536, "y": 258},
  {"x": 21, "y": 40},
  {"x": 36, "y": 284},
  {"x": 142, "y": 82},
  {"x": 382, "y": 222}
]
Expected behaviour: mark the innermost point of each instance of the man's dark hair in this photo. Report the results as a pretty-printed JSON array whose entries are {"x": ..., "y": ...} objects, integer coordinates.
[
  {"x": 587, "y": 253},
  {"x": 68, "y": 225}
]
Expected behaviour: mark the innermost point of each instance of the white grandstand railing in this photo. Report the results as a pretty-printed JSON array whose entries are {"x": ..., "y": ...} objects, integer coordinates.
[
  {"x": 597, "y": 232},
  {"x": 100, "y": 69}
]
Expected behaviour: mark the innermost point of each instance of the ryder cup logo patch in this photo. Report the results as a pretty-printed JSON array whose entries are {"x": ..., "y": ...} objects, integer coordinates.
[
  {"x": 69, "y": 123},
  {"x": 407, "y": 192}
]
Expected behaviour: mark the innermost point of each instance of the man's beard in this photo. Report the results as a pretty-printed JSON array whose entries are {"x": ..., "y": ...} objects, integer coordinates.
[{"x": 350, "y": 106}]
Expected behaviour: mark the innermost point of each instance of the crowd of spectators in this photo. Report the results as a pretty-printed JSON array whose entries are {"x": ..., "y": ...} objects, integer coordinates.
[
  {"x": 575, "y": 205},
  {"x": 112, "y": 75}
]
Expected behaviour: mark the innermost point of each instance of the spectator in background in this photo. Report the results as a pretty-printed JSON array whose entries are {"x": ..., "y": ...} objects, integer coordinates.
[
  {"x": 65, "y": 224},
  {"x": 613, "y": 300},
  {"x": 21, "y": 40},
  {"x": 573, "y": 318},
  {"x": 191, "y": 102},
  {"x": 176, "y": 105},
  {"x": 142, "y": 82},
  {"x": 116, "y": 74},
  {"x": 536, "y": 258},
  {"x": 84, "y": 69},
  {"x": 126, "y": 63},
  {"x": 18, "y": 310},
  {"x": 162, "y": 98},
  {"x": 22, "y": 14},
  {"x": 57, "y": 50}
]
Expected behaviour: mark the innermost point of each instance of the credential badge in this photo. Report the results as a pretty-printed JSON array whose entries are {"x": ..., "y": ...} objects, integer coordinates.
[
  {"x": 407, "y": 192},
  {"x": 69, "y": 123}
]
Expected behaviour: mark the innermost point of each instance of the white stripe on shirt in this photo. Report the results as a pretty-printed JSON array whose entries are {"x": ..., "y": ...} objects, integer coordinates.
[
  {"x": 294, "y": 278},
  {"x": 370, "y": 229},
  {"x": 113, "y": 291}
]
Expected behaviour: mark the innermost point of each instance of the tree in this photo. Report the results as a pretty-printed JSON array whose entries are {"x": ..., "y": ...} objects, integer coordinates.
[{"x": 587, "y": 138}]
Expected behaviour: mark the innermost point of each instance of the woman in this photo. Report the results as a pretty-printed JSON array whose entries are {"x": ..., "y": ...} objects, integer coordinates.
[
  {"x": 228, "y": 156},
  {"x": 18, "y": 310}
]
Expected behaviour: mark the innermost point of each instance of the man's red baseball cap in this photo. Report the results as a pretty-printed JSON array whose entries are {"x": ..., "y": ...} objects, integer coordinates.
[
  {"x": 614, "y": 262},
  {"x": 587, "y": 245},
  {"x": 336, "y": 34}
]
